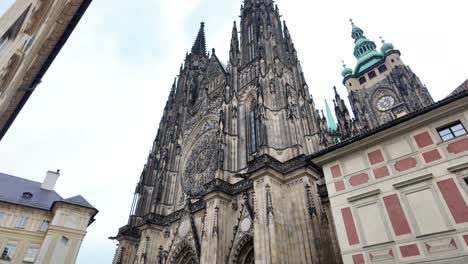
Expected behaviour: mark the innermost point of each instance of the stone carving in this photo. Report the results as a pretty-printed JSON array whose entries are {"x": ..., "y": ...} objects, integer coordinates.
[
  {"x": 310, "y": 202},
  {"x": 201, "y": 164}
]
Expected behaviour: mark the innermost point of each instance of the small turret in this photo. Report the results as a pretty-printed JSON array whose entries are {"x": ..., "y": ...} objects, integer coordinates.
[
  {"x": 346, "y": 71},
  {"x": 386, "y": 46}
]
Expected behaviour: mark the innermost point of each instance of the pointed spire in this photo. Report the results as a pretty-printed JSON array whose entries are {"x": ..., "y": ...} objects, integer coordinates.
[
  {"x": 330, "y": 118},
  {"x": 199, "y": 47},
  {"x": 234, "y": 52},
  {"x": 234, "y": 38}
]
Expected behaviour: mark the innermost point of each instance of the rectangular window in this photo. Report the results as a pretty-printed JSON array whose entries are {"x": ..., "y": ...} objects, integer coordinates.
[
  {"x": 44, "y": 225},
  {"x": 382, "y": 68},
  {"x": 372, "y": 75},
  {"x": 451, "y": 131},
  {"x": 362, "y": 80},
  {"x": 1, "y": 217},
  {"x": 22, "y": 221},
  {"x": 31, "y": 254},
  {"x": 8, "y": 252}
]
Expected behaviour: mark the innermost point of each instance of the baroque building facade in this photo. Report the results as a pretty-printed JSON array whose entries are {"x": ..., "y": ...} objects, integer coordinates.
[
  {"x": 32, "y": 33},
  {"x": 232, "y": 176},
  {"x": 37, "y": 225}
]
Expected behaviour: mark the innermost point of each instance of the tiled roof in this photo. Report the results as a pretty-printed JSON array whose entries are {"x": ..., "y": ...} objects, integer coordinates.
[
  {"x": 12, "y": 189},
  {"x": 78, "y": 200},
  {"x": 461, "y": 88},
  {"x": 17, "y": 190},
  {"x": 452, "y": 98}
]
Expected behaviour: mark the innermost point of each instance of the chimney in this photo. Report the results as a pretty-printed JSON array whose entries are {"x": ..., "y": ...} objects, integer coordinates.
[{"x": 50, "y": 180}]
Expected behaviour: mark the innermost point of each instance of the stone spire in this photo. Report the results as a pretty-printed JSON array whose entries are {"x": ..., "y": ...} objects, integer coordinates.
[
  {"x": 199, "y": 47},
  {"x": 234, "y": 53},
  {"x": 346, "y": 124}
]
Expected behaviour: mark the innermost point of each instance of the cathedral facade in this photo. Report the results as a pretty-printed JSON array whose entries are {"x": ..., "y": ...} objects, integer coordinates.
[{"x": 234, "y": 174}]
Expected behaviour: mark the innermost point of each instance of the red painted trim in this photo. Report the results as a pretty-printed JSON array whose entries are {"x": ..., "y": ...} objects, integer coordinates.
[
  {"x": 458, "y": 147},
  {"x": 454, "y": 200},
  {"x": 336, "y": 171},
  {"x": 453, "y": 243},
  {"x": 409, "y": 251},
  {"x": 375, "y": 157},
  {"x": 339, "y": 186},
  {"x": 358, "y": 259},
  {"x": 465, "y": 237},
  {"x": 423, "y": 140},
  {"x": 359, "y": 179},
  {"x": 381, "y": 172},
  {"x": 431, "y": 156},
  {"x": 405, "y": 164},
  {"x": 397, "y": 215},
  {"x": 350, "y": 226}
]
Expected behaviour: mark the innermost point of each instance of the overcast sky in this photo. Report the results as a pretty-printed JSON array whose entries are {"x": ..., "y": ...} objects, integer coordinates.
[{"x": 97, "y": 110}]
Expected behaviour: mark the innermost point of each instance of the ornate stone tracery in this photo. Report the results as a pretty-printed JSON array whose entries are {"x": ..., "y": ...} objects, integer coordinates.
[
  {"x": 184, "y": 253},
  {"x": 201, "y": 164},
  {"x": 243, "y": 252}
]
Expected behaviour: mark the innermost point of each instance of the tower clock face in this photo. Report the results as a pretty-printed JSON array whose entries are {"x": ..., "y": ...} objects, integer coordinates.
[{"x": 385, "y": 103}]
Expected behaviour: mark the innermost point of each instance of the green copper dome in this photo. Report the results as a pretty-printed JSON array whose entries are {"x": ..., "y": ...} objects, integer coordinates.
[
  {"x": 386, "y": 47},
  {"x": 365, "y": 50},
  {"x": 346, "y": 71}
]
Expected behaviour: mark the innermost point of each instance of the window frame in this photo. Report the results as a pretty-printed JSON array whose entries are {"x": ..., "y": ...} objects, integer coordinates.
[
  {"x": 9, "y": 247},
  {"x": 362, "y": 80},
  {"x": 36, "y": 249},
  {"x": 382, "y": 68},
  {"x": 44, "y": 225},
  {"x": 451, "y": 131},
  {"x": 372, "y": 74},
  {"x": 22, "y": 221}
]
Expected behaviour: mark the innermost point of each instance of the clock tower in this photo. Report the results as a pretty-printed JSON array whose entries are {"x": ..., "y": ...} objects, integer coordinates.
[{"x": 381, "y": 87}]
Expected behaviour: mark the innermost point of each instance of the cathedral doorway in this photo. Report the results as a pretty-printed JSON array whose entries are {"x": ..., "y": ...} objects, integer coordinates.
[
  {"x": 184, "y": 254},
  {"x": 244, "y": 253}
]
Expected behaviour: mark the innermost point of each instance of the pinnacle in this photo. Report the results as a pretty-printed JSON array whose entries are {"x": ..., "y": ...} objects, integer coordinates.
[{"x": 199, "y": 47}]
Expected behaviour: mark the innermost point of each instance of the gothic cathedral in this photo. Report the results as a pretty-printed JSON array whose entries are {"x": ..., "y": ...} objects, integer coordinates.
[{"x": 229, "y": 178}]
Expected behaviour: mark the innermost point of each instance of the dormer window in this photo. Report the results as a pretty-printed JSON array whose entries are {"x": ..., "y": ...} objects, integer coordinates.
[{"x": 27, "y": 195}]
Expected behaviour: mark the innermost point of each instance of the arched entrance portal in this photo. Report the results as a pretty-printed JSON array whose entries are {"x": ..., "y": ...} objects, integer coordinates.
[
  {"x": 244, "y": 253},
  {"x": 184, "y": 254},
  {"x": 186, "y": 257}
]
